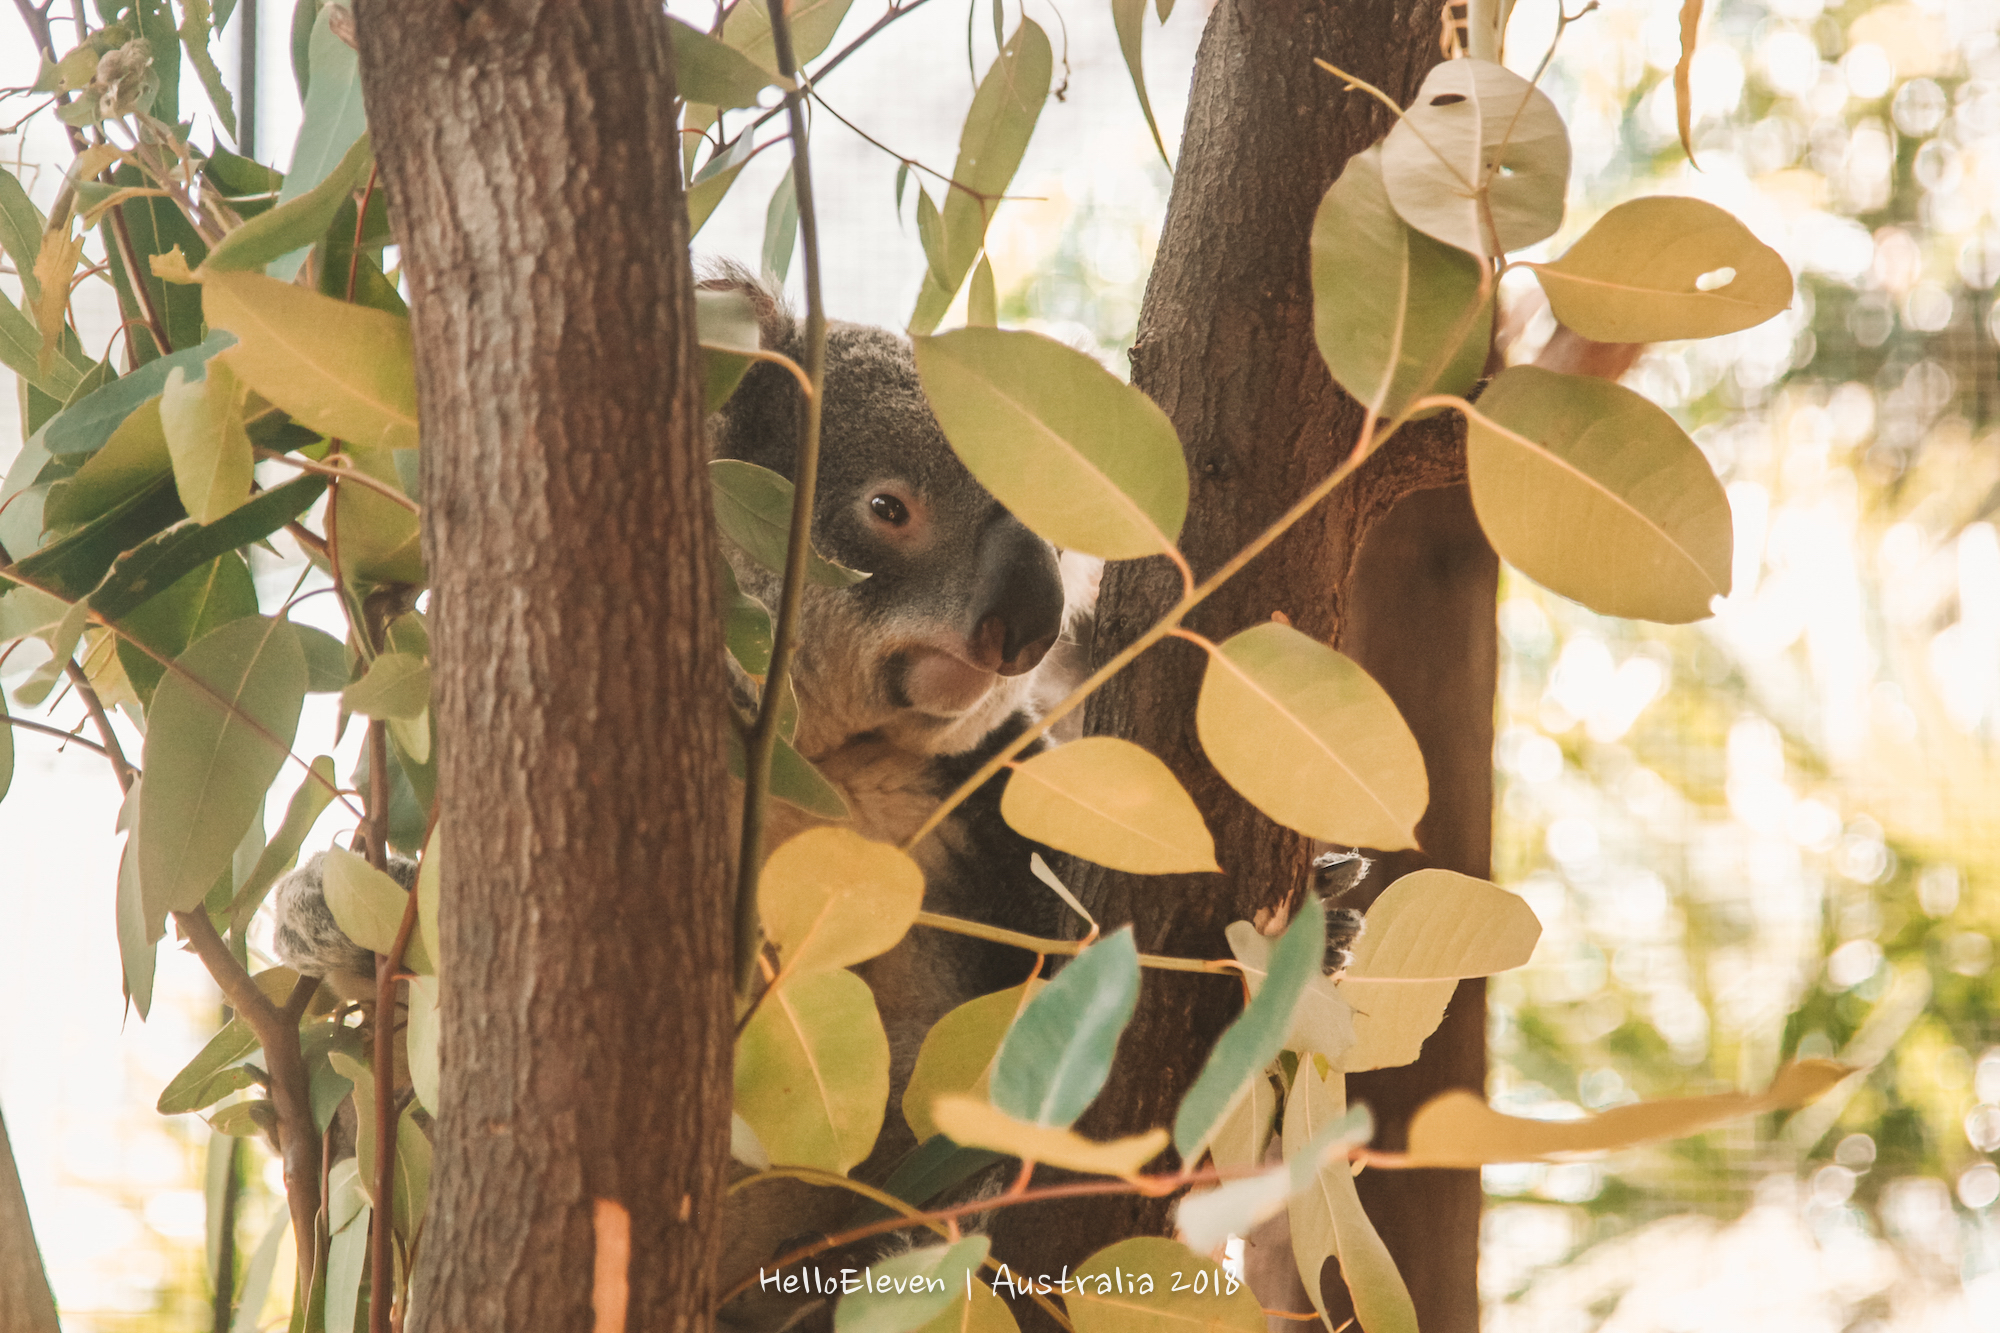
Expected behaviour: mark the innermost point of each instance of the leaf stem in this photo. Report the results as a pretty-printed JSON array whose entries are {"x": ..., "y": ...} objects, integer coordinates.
[
  {"x": 1036, "y": 944},
  {"x": 761, "y": 743}
]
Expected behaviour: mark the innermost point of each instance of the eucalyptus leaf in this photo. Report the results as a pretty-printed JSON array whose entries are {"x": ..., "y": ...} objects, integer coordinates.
[
  {"x": 1327, "y": 1218},
  {"x": 203, "y": 424},
  {"x": 909, "y": 1290},
  {"x": 1059, "y": 1051},
  {"x": 1150, "y": 1284},
  {"x": 1129, "y": 18},
  {"x": 297, "y": 222},
  {"x": 829, "y": 898},
  {"x": 1112, "y": 802},
  {"x": 812, "y": 1071},
  {"x": 748, "y": 29},
  {"x": 397, "y": 685},
  {"x": 977, "y": 1124},
  {"x": 281, "y": 853},
  {"x": 85, "y": 425},
  {"x": 958, "y": 1053},
  {"x": 331, "y": 120},
  {"x": 146, "y": 570},
  {"x": 753, "y": 507},
  {"x": 713, "y": 73}
]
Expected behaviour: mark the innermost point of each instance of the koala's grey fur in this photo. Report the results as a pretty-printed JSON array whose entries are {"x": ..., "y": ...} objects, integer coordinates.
[{"x": 310, "y": 942}]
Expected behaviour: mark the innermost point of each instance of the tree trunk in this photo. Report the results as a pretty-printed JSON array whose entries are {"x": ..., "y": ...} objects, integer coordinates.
[
  {"x": 26, "y": 1304},
  {"x": 1421, "y": 620},
  {"x": 529, "y": 153},
  {"x": 1226, "y": 348}
]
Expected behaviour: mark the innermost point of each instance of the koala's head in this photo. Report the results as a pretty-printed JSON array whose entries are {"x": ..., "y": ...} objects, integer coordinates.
[{"x": 936, "y": 647}]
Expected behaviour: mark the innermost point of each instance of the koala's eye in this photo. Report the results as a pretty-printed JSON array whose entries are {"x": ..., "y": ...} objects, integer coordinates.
[{"x": 890, "y": 510}]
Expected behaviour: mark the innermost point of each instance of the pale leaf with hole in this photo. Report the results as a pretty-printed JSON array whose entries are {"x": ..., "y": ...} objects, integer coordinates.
[
  {"x": 1459, "y": 1129},
  {"x": 972, "y": 1123},
  {"x": 958, "y": 1052},
  {"x": 1327, "y": 1217},
  {"x": 1597, "y": 494},
  {"x": 1660, "y": 268},
  {"x": 1086, "y": 461},
  {"x": 812, "y": 1072},
  {"x": 831, "y": 898},
  {"x": 1112, "y": 802},
  {"x": 1479, "y": 161},
  {"x": 1310, "y": 739}
]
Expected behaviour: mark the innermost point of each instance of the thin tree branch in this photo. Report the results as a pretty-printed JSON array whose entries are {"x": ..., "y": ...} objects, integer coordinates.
[
  {"x": 29, "y": 724},
  {"x": 382, "y": 1260}
]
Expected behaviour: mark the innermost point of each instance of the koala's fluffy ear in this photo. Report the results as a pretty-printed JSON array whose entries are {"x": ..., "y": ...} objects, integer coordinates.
[{"x": 776, "y": 325}]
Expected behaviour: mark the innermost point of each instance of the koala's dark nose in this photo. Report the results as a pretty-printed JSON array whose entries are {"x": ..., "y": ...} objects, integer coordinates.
[{"x": 1018, "y": 605}]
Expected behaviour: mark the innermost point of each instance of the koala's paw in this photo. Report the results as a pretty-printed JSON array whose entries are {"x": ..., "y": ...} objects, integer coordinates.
[{"x": 307, "y": 938}]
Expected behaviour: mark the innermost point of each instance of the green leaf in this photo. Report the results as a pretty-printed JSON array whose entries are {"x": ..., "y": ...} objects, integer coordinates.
[
  {"x": 727, "y": 326},
  {"x": 1323, "y": 1023},
  {"x": 830, "y": 898},
  {"x": 1109, "y": 801},
  {"x": 297, "y": 222},
  {"x": 197, "y": 22},
  {"x": 710, "y": 72},
  {"x": 343, "y": 267},
  {"x": 1058, "y": 1053},
  {"x": 748, "y": 29},
  {"x": 257, "y": 1277},
  {"x": 1479, "y": 161},
  {"x": 907, "y": 1292},
  {"x": 977, "y": 1124},
  {"x": 958, "y": 1052},
  {"x": 344, "y": 370},
  {"x": 77, "y": 562},
  {"x": 347, "y": 1264},
  {"x": 1153, "y": 1285},
  {"x": 421, "y": 1034},
  {"x": 982, "y": 303},
  {"x": 1311, "y": 740},
  {"x": 411, "y": 1177},
  {"x": 246, "y": 1120},
  {"x": 753, "y": 507},
  {"x": 1659, "y": 268},
  {"x": 1593, "y": 491},
  {"x": 62, "y": 648},
  {"x": 397, "y": 685},
  {"x": 930, "y": 235},
  {"x": 201, "y": 601},
  {"x": 981, "y": 1312},
  {"x": 144, "y": 571},
  {"x": 331, "y": 120},
  {"x": 1392, "y": 308},
  {"x": 21, "y": 225},
  {"x": 281, "y": 853},
  {"x": 1129, "y": 18},
  {"x": 1238, "y": 1142},
  {"x": 706, "y": 192},
  {"x": 746, "y": 625},
  {"x": 216, "y": 736},
  {"x": 139, "y": 931},
  {"x": 368, "y": 906},
  {"x": 793, "y": 779},
  {"x": 430, "y": 880},
  {"x": 781, "y": 227},
  {"x": 6, "y": 748},
  {"x": 1257, "y": 1035},
  {"x": 203, "y": 424},
  {"x": 85, "y": 425},
  {"x": 1087, "y": 462},
  {"x": 812, "y": 1071},
  {"x": 213, "y": 1074},
  {"x": 133, "y": 459},
  {"x": 155, "y": 226},
  {"x": 1327, "y": 1219},
  {"x": 990, "y": 147}
]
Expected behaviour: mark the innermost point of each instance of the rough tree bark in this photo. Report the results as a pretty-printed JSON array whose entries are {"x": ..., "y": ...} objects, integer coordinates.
[
  {"x": 1226, "y": 348},
  {"x": 26, "y": 1304},
  {"x": 529, "y": 152}
]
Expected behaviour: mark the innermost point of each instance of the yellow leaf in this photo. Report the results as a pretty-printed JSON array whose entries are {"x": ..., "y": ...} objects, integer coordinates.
[
  {"x": 830, "y": 898},
  {"x": 1328, "y": 1219},
  {"x": 203, "y": 423},
  {"x": 54, "y": 267},
  {"x": 812, "y": 1072},
  {"x": 1440, "y": 924},
  {"x": 958, "y": 1051},
  {"x": 1311, "y": 740},
  {"x": 1109, "y": 801},
  {"x": 1391, "y": 1020},
  {"x": 1238, "y": 1142},
  {"x": 1683, "y": 85},
  {"x": 1324, "y": 1023},
  {"x": 173, "y": 267},
  {"x": 1460, "y": 1130},
  {"x": 1153, "y": 1285},
  {"x": 982, "y": 1312},
  {"x": 974, "y": 1124}
]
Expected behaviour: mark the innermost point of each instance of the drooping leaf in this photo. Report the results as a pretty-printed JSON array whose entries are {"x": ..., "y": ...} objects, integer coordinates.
[
  {"x": 62, "y": 650},
  {"x": 199, "y": 1084},
  {"x": 916, "y": 1287},
  {"x": 1328, "y": 1219},
  {"x": 1112, "y": 802},
  {"x": 996, "y": 133},
  {"x": 748, "y": 29},
  {"x": 1395, "y": 313},
  {"x": 711, "y": 72},
  {"x": 793, "y": 778},
  {"x": 21, "y": 225},
  {"x": 6, "y": 749},
  {"x": 344, "y": 370},
  {"x": 331, "y": 120},
  {"x": 197, "y": 24},
  {"x": 21, "y": 352},
  {"x": 139, "y": 930},
  {"x": 347, "y": 1253},
  {"x": 297, "y": 222},
  {"x": 753, "y": 507},
  {"x": 976, "y": 1124},
  {"x": 930, "y": 235},
  {"x": 1480, "y": 160},
  {"x": 203, "y": 423},
  {"x": 398, "y": 685},
  {"x": 1150, "y": 1284},
  {"x": 958, "y": 1053},
  {"x": 1258, "y": 1034},
  {"x": 781, "y": 227},
  {"x": 1311, "y": 740},
  {"x": 831, "y": 898},
  {"x": 430, "y": 881},
  {"x": 411, "y": 1175},
  {"x": 812, "y": 1071},
  {"x": 1458, "y": 1129},
  {"x": 1683, "y": 81},
  {"x": 1660, "y": 268},
  {"x": 1596, "y": 493},
  {"x": 746, "y": 624},
  {"x": 1129, "y": 18},
  {"x": 257, "y": 1275},
  {"x": 281, "y": 853},
  {"x": 368, "y": 906},
  {"x": 380, "y": 540},
  {"x": 216, "y": 736},
  {"x": 421, "y": 1034},
  {"x": 1205, "y": 1219},
  {"x": 1087, "y": 462},
  {"x": 85, "y": 425},
  {"x": 727, "y": 325},
  {"x": 1323, "y": 1023},
  {"x": 982, "y": 302},
  {"x": 1058, "y": 1053},
  {"x": 1438, "y": 923}
]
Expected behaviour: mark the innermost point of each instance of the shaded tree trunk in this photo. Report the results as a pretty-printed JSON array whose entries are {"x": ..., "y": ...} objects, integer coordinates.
[
  {"x": 26, "y": 1304},
  {"x": 529, "y": 152},
  {"x": 1226, "y": 348}
]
